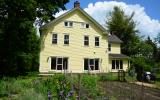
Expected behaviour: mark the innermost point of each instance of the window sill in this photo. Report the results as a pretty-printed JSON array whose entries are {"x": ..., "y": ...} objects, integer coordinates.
[
  {"x": 54, "y": 44},
  {"x": 97, "y": 46},
  {"x": 86, "y": 46},
  {"x": 84, "y": 28},
  {"x": 68, "y": 26},
  {"x": 65, "y": 44}
]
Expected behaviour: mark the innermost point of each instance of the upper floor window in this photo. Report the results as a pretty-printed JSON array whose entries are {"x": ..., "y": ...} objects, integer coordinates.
[
  {"x": 66, "y": 39},
  {"x": 84, "y": 25},
  {"x": 86, "y": 40},
  {"x": 109, "y": 46},
  {"x": 96, "y": 41},
  {"x": 68, "y": 24},
  {"x": 54, "y": 38}
]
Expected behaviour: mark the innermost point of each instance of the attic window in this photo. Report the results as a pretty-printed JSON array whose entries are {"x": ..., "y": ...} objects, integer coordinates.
[
  {"x": 84, "y": 25},
  {"x": 68, "y": 24}
]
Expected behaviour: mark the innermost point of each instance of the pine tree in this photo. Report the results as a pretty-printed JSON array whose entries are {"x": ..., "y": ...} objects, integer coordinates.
[{"x": 125, "y": 28}]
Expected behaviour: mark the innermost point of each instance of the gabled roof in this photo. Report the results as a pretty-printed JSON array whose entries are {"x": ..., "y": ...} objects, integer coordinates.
[
  {"x": 114, "y": 39},
  {"x": 120, "y": 56},
  {"x": 72, "y": 10}
]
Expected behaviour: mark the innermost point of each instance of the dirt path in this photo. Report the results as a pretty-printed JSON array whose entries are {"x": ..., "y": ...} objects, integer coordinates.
[{"x": 129, "y": 91}]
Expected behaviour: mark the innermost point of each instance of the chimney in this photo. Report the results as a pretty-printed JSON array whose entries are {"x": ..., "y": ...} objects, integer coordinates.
[{"x": 76, "y": 4}]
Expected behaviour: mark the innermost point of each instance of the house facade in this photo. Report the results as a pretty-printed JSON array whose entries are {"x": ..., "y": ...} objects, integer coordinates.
[{"x": 75, "y": 42}]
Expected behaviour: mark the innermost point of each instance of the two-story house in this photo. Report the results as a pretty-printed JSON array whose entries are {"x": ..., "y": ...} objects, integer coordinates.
[{"x": 75, "y": 42}]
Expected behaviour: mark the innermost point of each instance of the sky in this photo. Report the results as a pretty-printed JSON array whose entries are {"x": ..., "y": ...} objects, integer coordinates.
[{"x": 147, "y": 12}]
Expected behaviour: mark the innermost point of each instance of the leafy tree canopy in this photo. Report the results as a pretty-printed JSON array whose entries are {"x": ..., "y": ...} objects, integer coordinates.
[
  {"x": 125, "y": 28},
  {"x": 19, "y": 42}
]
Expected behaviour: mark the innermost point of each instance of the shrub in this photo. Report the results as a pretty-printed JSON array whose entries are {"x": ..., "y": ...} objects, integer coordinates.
[{"x": 89, "y": 84}]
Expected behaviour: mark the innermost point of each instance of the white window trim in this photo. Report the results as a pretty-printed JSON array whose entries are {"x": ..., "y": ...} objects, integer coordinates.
[
  {"x": 97, "y": 41},
  {"x": 89, "y": 69},
  {"x": 68, "y": 24},
  {"x": 109, "y": 47},
  {"x": 67, "y": 39},
  {"x": 84, "y": 25},
  {"x": 85, "y": 40},
  {"x": 118, "y": 64},
  {"x": 55, "y": 38},
  {"x": 57, "y": 63}
]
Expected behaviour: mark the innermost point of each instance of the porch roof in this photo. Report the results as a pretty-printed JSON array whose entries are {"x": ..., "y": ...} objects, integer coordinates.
[{"x": 120, "y": 56}]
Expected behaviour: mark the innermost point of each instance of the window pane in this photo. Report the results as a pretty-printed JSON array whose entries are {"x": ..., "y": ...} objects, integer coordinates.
[
  {"x": 65, "y": 63},
  {"x": 96, "y": 38},
  {"x": 59, "y": 61},
  {"x": 54, "y": 39},
  {"x": 86, "y": 40},
  {"x": 53, "y": 63},
  {"x": 96, "y": 64},
  {"x": 71, "y": 24},
  {"x": 65, "y": 23},
  {"x": 85, "y": 64},
  {"x": 113, "y": 64},
  {"x": 109, "y": 47},
  {"x": 66, "y": 36},
  {"x": 59, "y": 67},
  {"x": 66, "y": 42},
  {"x": 87, "y": 25},
  {"x": 91, "y": 62},
  {"x": 121, "y": 64},
  {"x": 66, "y": 39},
  {"x": 96, "y": 41},
  {"x": 86, "y": 43},
  {"x": 91, "y": 67},
  {"x": 117, "y": 64}
]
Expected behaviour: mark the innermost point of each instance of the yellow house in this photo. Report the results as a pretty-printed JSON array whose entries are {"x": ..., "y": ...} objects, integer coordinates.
[{"x": 75, "y": 42}]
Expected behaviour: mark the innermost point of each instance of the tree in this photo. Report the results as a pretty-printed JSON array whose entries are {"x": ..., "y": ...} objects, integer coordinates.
[
  {"x": 153, "y": 46},
  {"x": 125, "y": 28},
  {"x": 19, "y": 43}
]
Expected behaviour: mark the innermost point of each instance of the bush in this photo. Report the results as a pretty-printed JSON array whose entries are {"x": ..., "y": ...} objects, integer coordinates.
[{"x": 89, "y": 85}]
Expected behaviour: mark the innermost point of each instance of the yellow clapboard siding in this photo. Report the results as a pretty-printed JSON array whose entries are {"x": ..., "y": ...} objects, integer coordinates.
[
  {"x": 115, "y": 48},
  {"x": 76, "y": 51}
]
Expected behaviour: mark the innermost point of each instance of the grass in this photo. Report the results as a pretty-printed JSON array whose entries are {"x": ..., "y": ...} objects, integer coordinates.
[{"x": 35, "y": 87}]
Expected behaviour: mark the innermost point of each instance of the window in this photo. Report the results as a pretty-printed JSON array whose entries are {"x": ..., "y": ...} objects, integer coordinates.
[
  {"x": 113, "y": 64},
  {"x": 54, "y": 39},
  {"x": 68, "y": 24},
  {"x": 66, "y": 39},
  {"x": 91, "y": 64},
  {"x": 97, "y": 41},
  {"x": 117, "y": 64},
  {"x": 59, "y": 63},
  {"x": 86, "y": 40},
  {"x": 84, "y": 25},
  {"x": 109, "y": 47}
]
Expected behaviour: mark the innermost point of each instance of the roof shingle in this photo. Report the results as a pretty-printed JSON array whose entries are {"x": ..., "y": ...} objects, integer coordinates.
[
  {"x": 114, "y": 39},
  {"x": 118, "y": 56}
]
